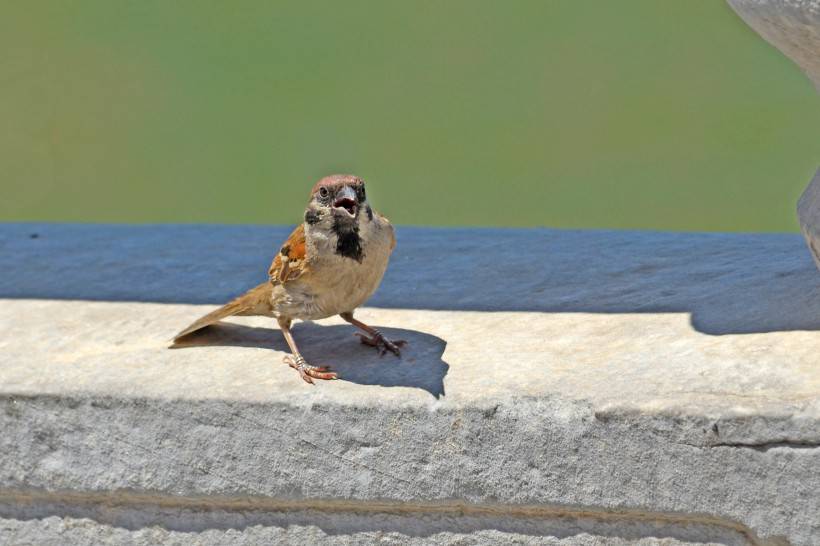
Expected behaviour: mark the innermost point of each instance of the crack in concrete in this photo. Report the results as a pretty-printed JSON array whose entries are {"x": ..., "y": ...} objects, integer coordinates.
[
  {"x": 180, "y": 513},
  {"x": 766, "y": 446},
  {"x": 762, "y": 446}
]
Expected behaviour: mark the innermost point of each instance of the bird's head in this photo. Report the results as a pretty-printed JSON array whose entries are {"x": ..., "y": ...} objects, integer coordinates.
[{"x": 338, "y": 201}]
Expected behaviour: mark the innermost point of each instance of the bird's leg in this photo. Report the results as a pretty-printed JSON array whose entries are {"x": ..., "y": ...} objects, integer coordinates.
[
  {"x": 306, "y": 371},
  {"x": 375, "y": 338}
]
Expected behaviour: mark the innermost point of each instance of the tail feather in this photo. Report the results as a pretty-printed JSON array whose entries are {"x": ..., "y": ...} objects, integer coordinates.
[{"x": 248, "y": 303}]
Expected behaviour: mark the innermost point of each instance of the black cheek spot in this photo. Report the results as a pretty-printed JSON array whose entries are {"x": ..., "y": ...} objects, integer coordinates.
[
  {"x": 369, "y": 213},
  {"x": 312, "y": 217}
]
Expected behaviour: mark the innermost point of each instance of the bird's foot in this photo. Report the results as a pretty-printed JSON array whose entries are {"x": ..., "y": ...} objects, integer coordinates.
[
  {"x": 381, "y": 343},
  {"x": 307, "y": 371}
]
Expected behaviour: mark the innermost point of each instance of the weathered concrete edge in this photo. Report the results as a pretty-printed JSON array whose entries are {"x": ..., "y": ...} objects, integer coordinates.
[{"x": 527, "y": 459}]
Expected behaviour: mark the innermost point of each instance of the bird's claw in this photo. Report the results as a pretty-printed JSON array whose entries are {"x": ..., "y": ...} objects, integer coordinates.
[
  {"x": 381, "y": 343},
  {"x": 307, "y": 371}
]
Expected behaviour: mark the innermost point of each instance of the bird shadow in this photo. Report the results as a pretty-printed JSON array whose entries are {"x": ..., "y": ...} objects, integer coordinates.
[{"x": 421, "y": 365}]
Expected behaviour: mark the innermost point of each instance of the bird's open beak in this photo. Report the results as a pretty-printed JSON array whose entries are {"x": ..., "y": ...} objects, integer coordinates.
[{"x": 345, "y": 202}]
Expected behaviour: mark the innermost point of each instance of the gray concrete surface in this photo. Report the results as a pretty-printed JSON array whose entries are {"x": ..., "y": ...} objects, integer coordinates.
[
  {"x": 560, "y": 387},
  {"x": 793, "y": 27}
]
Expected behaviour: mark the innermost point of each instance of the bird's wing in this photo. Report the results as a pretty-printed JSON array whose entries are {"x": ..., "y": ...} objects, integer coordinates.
[{"x": 291, "y": 261}]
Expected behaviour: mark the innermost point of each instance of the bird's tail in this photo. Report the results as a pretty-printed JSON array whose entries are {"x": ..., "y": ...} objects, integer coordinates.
[{"x": 253, "y": 302}]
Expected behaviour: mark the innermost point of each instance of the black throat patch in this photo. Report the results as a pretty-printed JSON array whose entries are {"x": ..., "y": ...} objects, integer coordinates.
[{"x": 349, "y": 244}]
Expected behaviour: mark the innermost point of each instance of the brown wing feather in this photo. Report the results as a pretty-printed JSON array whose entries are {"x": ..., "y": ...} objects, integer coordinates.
[
  {"x": 246, "y": 304},
  {"x": 290, "y": 261}
]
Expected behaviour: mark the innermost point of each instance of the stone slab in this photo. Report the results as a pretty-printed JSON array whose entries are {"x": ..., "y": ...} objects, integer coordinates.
[
  {"x": 808, "y": 212},
  {"x": 792, "y": 26},
  {"x": 565, "y": 386}
]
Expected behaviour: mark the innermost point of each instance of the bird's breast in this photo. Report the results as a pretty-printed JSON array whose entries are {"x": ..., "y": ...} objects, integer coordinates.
[{"x": 339, "y": 282}]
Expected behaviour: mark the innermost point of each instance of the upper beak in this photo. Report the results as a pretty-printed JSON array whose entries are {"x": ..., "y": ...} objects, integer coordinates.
[{"x": 346, "y": 200}]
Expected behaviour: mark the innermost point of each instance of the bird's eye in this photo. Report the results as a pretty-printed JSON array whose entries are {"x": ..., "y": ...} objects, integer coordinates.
[{"x": 323, "y": 192}]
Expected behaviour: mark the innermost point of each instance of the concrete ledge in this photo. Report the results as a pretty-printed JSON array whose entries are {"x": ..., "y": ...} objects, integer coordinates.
[
  {"x": 792, "y": 26},
  {"x": 600, "y": 388}
]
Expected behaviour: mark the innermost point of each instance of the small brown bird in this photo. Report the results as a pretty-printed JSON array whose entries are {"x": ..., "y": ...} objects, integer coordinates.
[{"x": 331, "y": 264}]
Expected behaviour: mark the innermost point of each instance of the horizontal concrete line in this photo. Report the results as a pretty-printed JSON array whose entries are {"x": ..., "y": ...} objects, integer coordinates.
[
  {"x": 156, "y": 510},
  {"x": 766, "y": 446}
]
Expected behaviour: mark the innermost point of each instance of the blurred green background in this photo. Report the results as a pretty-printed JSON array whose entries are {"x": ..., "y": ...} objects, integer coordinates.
[{"x": 631, "y": 114}]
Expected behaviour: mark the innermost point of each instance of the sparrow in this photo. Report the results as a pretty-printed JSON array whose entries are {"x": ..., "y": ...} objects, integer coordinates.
[{"x": 330, "y": 265}]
